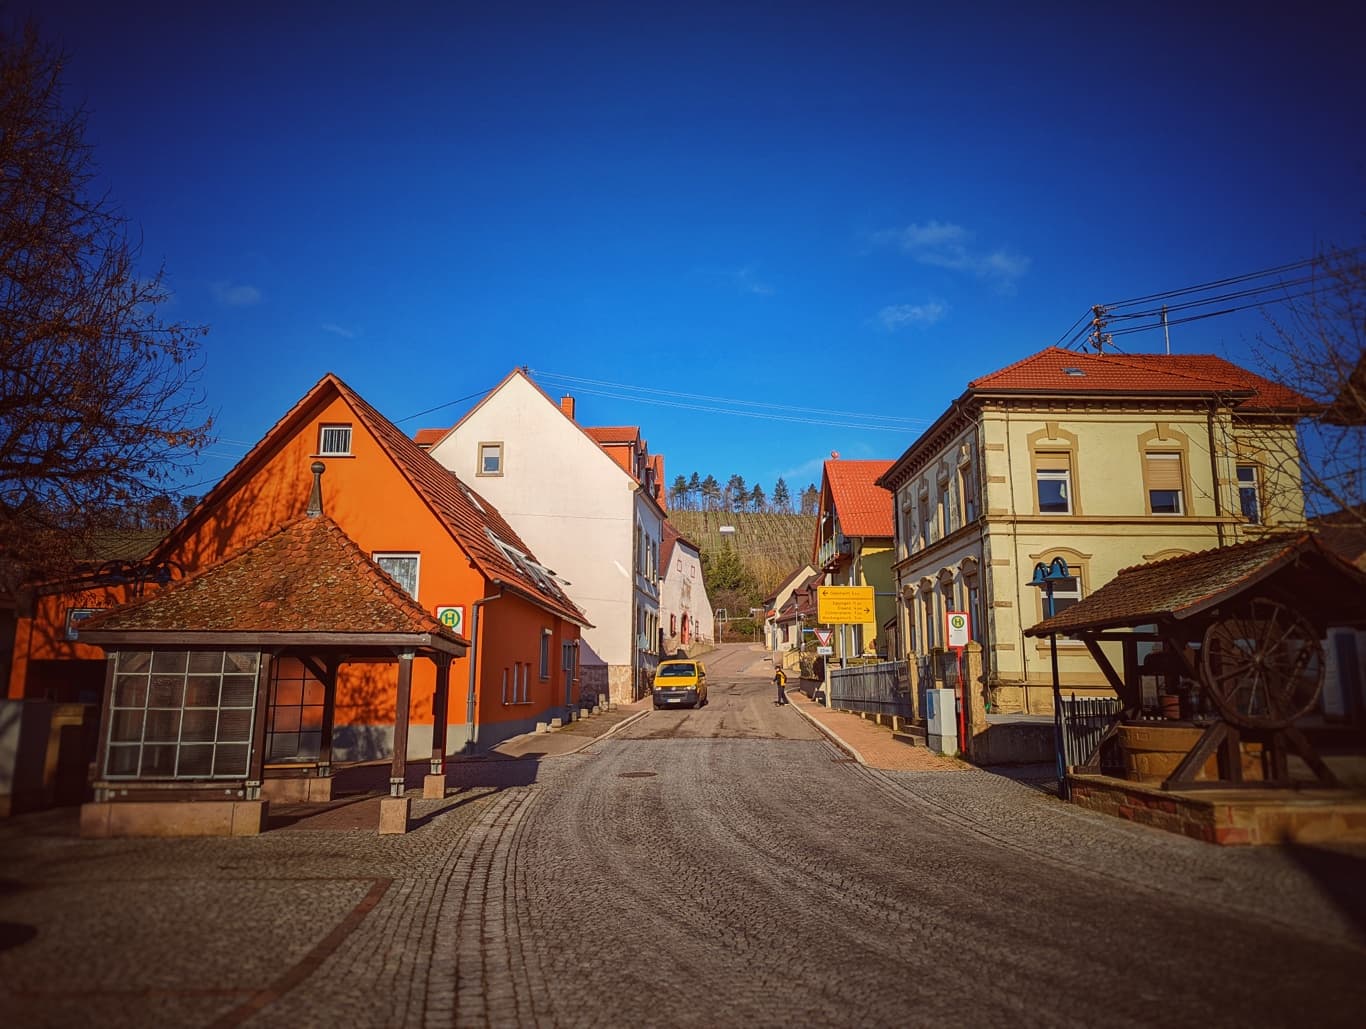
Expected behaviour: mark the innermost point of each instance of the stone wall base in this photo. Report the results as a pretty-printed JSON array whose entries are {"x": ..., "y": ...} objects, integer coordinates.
[
  {"x": 174, "y": 818},
  {"x": 313, "y": 789},
  {"x": 1230, "y": 817}
]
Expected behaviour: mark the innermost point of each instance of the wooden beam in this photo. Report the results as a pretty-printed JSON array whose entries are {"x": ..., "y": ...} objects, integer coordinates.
[
  {"x": 1131, "y": 702},
  {"x": 329, "y": 681},
  {"x": 256, "y": 769},
  {"x": 1189, "y": 768},
  {"x": 106, "y": 714},
  {"x": 398, "y": 770}
]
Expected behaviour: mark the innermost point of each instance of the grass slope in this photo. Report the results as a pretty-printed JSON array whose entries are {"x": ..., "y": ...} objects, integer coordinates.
[{"x": 771, "y": 546}]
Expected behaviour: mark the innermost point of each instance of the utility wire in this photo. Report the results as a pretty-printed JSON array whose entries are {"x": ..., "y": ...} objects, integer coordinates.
[{"x": 861, "y": 416}]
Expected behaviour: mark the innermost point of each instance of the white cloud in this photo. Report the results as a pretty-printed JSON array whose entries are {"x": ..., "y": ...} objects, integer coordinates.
[
  {"x": 947, "y": 245},
  {"x": 901, "y": 316},
  {"x": 235, "y": 294},
  {"x": 749, "y": 282},
  {"x": 338, "y": 330}
]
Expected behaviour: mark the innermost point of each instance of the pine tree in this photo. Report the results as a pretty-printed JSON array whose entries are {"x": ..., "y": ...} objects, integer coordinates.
[{"x": 782, "y": 500}]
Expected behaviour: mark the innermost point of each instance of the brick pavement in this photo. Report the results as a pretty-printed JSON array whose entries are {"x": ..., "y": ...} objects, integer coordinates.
[{"x": 869, "y": 743}]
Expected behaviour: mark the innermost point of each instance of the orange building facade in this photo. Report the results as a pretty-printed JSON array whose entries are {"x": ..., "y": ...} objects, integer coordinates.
[{"x": 442, "y": 543}]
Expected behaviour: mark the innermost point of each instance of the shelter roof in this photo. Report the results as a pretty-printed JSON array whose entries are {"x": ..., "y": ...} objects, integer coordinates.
[
  {"x": 863, "y": 507},
  {"x": 1185, "y": 586},
  {"x": 308, "y": 577},
  {"x": 1059, "y": 371}
]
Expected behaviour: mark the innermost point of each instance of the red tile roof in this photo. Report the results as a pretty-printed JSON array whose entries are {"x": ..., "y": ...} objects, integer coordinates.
[
  {"x": 1181, "y": 587},
  {"x": 426, "y": 437},
  {"x": 613, "y": 434},
  {"x": 863, "y": 507},
  {"x": 308, "y": 577},
  {"x": 1163, "y": 374}
]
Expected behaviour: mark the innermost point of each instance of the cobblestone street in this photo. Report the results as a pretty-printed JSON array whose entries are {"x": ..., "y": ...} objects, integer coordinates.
[{"x": 725, "y": 866}]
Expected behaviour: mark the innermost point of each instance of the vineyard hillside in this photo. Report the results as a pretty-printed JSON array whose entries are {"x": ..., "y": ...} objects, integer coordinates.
[{"x": 771, "y": 546}]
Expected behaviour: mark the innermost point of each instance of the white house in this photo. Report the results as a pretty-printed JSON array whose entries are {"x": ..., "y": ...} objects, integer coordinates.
[
  {"x": 591, "y": 508},
  {"x": 685, "y": 613}
]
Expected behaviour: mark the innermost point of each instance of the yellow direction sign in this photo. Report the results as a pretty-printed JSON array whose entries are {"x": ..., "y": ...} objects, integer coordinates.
[{"x": 844, "y": 605}]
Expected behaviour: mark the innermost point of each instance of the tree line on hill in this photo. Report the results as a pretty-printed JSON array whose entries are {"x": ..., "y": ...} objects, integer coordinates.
[{"x": 694, "y": 493}]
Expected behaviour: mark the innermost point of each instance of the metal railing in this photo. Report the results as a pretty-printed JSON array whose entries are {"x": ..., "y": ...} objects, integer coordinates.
[
  {"x": 881, "y": 689},
  {"x": 1085, "y": 721}
]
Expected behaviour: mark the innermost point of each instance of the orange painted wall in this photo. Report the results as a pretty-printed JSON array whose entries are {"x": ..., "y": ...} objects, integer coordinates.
[{"x": 373, "y": 503}]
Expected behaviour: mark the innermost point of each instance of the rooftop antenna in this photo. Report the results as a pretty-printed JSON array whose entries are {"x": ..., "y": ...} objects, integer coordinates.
[{"x": 1166, "y": 331}]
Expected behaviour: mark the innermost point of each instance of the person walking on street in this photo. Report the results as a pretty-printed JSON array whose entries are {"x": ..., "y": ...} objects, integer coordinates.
[{"x": 780, "y": 680}]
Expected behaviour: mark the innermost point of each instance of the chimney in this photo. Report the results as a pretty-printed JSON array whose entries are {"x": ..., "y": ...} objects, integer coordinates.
[
  {"x": 315, "y": 498},
  {"x": 567, "y": 406}
]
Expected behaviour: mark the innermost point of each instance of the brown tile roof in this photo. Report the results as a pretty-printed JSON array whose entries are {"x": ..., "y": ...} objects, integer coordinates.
[
  {"x": 308, "y": 577},
  {"x": 466, "y": 515},
  {"x": 1161, "y": 374},
  {"x": 864, "y": 508},
  {"x": 469, "y": 516},
  {"x": 666, "y": 543},
  {"x": 1180, "y": 587}
]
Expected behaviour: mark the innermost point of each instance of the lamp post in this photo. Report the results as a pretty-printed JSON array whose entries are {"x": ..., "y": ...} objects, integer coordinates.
[{"x": 1046, "y": 576}]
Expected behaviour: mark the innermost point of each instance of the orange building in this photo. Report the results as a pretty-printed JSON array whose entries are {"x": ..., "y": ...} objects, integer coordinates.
[{"x": 443, "y": 547}]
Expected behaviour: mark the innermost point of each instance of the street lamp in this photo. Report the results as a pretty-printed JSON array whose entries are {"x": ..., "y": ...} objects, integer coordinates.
[{"x": 1046, "y": 577}]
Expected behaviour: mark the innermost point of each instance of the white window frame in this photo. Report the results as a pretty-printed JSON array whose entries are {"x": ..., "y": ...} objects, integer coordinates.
[
  {"x": 1063, "y": 475},
  {"x": 340, "y": 441},
  {"x": 1180, "y": 491},
  {"x": 489, "y": 446},
  {"x": 1255, "y": 485},
  {"x": 381, "y": 555}
]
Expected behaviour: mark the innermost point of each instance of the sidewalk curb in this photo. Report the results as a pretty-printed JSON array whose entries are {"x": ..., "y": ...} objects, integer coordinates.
[
  {"x": 833, "y": 736},
  {"x": 615, "y": 729}
]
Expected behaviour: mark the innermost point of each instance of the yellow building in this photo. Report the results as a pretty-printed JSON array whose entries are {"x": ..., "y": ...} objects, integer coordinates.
[
  {"x": 853, "y": 546},
  {"x": 1105, "y": 460}
]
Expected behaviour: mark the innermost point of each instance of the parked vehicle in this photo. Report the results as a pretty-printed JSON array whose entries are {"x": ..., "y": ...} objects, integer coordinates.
[{"x": 680, "y": 684}]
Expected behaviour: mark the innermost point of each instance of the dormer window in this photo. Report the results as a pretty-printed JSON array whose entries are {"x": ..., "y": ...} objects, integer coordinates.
[{"x": 334, "y": 441}]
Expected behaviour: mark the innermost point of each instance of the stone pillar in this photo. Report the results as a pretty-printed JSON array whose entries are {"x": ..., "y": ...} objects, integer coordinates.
[{"x": 974, "y": 696}]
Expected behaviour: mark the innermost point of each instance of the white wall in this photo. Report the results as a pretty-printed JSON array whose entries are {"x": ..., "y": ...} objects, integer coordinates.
[{"x": 570, "y": 503}]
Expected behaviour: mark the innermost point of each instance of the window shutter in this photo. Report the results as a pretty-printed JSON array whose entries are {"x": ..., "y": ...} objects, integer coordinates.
[
  {"x": 1164, "y": 471},
  {"x": 1053, "y": 462}
]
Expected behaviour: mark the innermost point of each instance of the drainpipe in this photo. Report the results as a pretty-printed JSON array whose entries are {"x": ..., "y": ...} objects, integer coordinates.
[
  {"x": 473, "y": 656},
  {"x": 1214, "y": 471}
]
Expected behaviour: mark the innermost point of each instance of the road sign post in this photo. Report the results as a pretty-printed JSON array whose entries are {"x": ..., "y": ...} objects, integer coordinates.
[{"x": 958, "y": 632}]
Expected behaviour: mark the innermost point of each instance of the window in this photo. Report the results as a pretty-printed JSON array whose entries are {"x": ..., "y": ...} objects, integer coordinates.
[
  {"x": 927, "y": 605},
  {"x": 1066, "y": 592},
  {"x": 924, "y": 510},
  {"x": 1249, "y": 494},
  {"x": 545, "y": 653},
  {"x": 490, "y": 459},
  {"x": 403, "y": 569},
  {"x": 295, "y": 716},
  {"x": 967, "y": 483},
  {"x": 1165, "y": 482},
  {"x": 505, "y": 685},
  {"x": 1053, "y": 476},
  {"x": 181, "y": 714},
  {"x": 334, "y": 440}
]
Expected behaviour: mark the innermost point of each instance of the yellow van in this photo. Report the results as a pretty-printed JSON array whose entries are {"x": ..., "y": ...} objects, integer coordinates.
[{"x": 680, "y": 683}]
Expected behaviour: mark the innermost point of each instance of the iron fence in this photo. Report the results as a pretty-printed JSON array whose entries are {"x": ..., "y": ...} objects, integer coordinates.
[
  {"x": 880, "y": 689},
  {"x": 1085, "y": 721}
]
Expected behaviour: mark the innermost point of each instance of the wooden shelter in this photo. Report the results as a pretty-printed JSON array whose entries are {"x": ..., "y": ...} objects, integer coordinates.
[
  {"x": 211, "y": 683},
  {"x": 1234, "y": 636}
]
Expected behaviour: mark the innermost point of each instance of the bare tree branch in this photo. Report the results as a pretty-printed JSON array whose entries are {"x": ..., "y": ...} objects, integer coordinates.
[{"x": 99, "y": 406}]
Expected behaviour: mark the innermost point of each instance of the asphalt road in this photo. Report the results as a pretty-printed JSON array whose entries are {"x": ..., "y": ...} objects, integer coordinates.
[{"x": 720, "y": 867}]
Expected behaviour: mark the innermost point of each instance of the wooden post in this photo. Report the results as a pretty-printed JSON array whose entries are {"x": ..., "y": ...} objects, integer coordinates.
[
  {"x": 106, "y": 714},
  {"x": 398, "y": 770},
  {"x": 329, "y": 682},
  {"x": 256, "y": 768}
]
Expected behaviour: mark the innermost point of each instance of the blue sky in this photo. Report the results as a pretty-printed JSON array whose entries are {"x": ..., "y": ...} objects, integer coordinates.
[{"x": 847, "y": 208}]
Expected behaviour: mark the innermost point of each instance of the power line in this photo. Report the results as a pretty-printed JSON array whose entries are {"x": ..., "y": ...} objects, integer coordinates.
[{"x": 862, "y": 416}]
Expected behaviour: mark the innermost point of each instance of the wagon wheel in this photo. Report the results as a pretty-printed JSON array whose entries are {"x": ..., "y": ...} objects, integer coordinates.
[{"x": 1262, "y": 666}]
